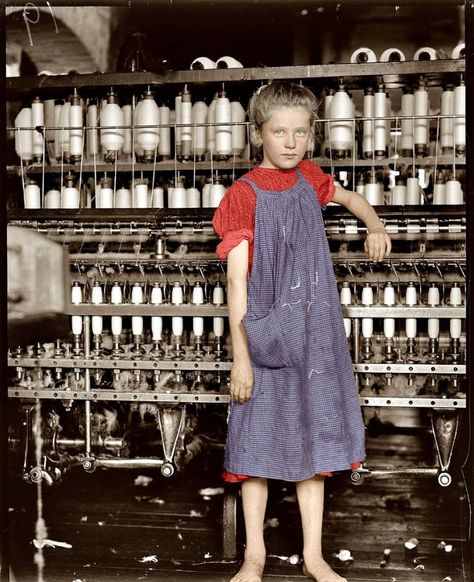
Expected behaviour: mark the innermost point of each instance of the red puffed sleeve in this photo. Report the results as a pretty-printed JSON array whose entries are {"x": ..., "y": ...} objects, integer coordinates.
[
  {"x": 322, "y": 183},
  {"x": 234, "y": 219}
]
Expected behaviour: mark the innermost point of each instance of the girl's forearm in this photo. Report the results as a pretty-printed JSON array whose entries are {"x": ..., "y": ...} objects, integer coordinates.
[
  {"x": 360, "y": 208},
  {"x": 237, "y": 304}
]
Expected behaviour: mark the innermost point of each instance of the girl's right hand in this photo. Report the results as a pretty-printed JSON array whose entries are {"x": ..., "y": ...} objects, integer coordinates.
[{"x": 241, "y": 381}]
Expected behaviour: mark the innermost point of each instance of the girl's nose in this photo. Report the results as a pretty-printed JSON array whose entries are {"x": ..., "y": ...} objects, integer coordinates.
[{"x": 290, "y": 141}]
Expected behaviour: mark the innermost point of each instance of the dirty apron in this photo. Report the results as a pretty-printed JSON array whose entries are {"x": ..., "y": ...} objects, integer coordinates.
[{"x": 304, "y": 416}]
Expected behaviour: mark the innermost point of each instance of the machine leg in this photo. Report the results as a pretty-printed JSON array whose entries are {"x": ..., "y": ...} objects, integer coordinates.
[{"x": 229, "y": 524}]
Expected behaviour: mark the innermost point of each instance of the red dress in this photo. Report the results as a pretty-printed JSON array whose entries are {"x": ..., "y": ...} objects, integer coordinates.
[{"x": 234, "y": 219}]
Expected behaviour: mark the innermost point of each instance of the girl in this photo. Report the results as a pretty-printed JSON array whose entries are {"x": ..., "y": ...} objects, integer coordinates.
[{"x": 295, "y": 413}]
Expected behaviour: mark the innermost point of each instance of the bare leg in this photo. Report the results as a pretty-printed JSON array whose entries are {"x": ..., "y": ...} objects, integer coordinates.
[
  {"x": 254, "y": 503},
  {"x": 310, "y": 495}
]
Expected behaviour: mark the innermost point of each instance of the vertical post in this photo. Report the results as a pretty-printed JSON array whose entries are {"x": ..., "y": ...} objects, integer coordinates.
[
  {"x": 87, "y": 381},
  {"x": 4, "y": 516},
  {"x": 468, "y": 467}
]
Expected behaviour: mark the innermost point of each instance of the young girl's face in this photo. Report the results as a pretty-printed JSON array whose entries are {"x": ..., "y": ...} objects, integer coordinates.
[{"x": 285, "y": 136}]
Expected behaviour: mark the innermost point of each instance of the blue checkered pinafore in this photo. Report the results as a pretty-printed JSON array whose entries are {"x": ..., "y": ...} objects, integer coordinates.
[{"x": 304, "y": 416}]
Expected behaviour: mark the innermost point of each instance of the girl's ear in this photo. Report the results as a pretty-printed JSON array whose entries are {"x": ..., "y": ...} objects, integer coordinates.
[{"x": 255, "y": 136}]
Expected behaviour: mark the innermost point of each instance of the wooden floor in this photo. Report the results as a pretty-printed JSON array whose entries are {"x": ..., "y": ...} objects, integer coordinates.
[{"x": 168, "y": 531}]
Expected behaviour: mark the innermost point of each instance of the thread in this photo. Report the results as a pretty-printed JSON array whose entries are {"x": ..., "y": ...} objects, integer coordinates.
[
  {"x": 373, "y": 191},
  {"x": 177, "y": 196},
  {"x": 177, "y": 298},
  {"x": 203, "y": 63},
  {"x": 216, "y": 193},
  {"x": 239, "y": 130},
  {"x": 32, "y": 195},
  {"x": 459, "y": 51},
  {"x": 392, "y": 55},
  {"x": 460, "y": 118},
  {"x": 140, "y": 194},
  {"x": 23, "y": 136},
  {"x": 407, "y": 122},
  {"x": 211, "y": 129},
  {"x": 76, "y": 123},
  {"x": 116, "y": 298},
  {"x": 111, "y": 126},
  {"x": 186, "y": 120},
  {"x": 206, "y": 193},
  {"x": 156, "y": 320},
  {"x": 363, "y": 55},
  {"x": 413, "y": 190},
  {"x": 92, "y": 138},
  {"x": 127, "y": 147},
  {"x": 453, "y": 192},
  {"x": 105, "y": 195},
  {"x": 455, "y": 295},
  {"x": 69, "y": 194},
  {"x": 49, "y": 121},
  {"x": 97, "y": 298},
  {"x": 398, "y": 194},
  {"x": 410, "y": 294},
  {"x": 368, "y": 123},
  {"x": 340, "y": 132},
  {"x": 123, "y": 198},
  {"x": 157, "y": 197},
  {"x": 389, "y": 299},
  {"x": 199, "y": 119},
  {"x": 421, "y": 129},
  {"x": 147, "y": 122},
  {"x": 37, "y": 120},
  {"x": 164, "y": 147},
  {"x": 52, "y": 199},
  {"x": 58, "y": 105},
  {"x": 223, "y": 115},
  {"x": 135, "y": 113},
  {"x": 345, "y": 294},
  {"x": 380, "y": 123},
  {"x": 446, "y": 123},
  {"x": 198, "y": 326},
  {"x": 228, "y": 63},
  {"x": 425, "y": 53},
  {"x": 439, "y": 189},
  {"x": 64, "y": 133},
  {"x": 193, "y": 198},
  {"x": 177, "y": 128},
  {"x": 137, "y": 299},
  {"x": 367, "y": 297},
  {"x": 218, "y": 326}
]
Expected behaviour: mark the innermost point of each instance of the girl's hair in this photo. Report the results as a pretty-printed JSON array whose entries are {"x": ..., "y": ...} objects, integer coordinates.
[{"x": 280, "y": 94}]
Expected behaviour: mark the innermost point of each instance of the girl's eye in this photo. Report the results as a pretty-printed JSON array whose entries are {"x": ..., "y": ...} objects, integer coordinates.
[
  {"x": 279, "y": 132},
  {"x": 301, "y": 132}
]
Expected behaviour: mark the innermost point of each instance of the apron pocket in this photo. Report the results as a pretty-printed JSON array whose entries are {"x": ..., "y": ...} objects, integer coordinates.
[{"x": 273, "y": 338}]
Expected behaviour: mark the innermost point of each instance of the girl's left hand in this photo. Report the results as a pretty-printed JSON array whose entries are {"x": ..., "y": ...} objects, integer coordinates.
[{"x": 378, "y": 244}]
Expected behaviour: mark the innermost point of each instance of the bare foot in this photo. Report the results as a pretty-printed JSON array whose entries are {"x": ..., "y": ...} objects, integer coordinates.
[
  {"x": 251, "y": 569},
  {"x": 321, "y": 571}
]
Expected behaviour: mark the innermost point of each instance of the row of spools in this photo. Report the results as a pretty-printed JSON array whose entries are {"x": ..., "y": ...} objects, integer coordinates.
[
  {"x": 104, "y": 129},
  {"x": 444, "y": 189},
  {"x": 411, "y": 298},
  {"x": 75, "y": 129},
  {"x": 157, "y": 295},
  {"x": 139, "y": 195}
]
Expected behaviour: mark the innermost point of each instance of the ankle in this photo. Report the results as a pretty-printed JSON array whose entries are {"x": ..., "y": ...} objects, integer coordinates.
[
  {"x": 313, "y": 556},
  {"x": 256, "y": 552}
]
